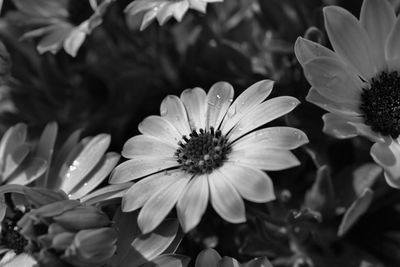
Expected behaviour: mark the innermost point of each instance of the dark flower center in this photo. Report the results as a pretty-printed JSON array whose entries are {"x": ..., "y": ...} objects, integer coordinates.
[
  {"x": 203, "y": 151},
  {"x": 79, "y": 11},
  {"x": 380, "y": 104},
  {"x": 10, "y": 236}
]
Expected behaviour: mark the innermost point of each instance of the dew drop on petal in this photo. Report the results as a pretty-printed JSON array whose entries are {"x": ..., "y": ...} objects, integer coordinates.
[
  {"x": 163, "y": 111},
  {"x": 231, "y": 112}
]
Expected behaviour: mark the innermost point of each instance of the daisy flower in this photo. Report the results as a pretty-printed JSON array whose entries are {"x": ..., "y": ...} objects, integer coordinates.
[
  {"x": 204, "y": 148},
  {"x": 359, "y": 82},
  {"x": 60, "y": 24},
  {"x": 163, "y": 10}
]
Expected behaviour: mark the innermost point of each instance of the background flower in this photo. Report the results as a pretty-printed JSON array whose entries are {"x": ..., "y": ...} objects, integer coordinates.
[
  {"x": 163, "y": 10},
  {"x": 358, "y": 83}
]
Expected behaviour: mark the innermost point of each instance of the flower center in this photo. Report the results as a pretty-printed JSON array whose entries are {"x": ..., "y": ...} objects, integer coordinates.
[
  {"x": 79, "y": 11},
  {"x": 203, "y": 151},
  {"x": 381, "y": 104},
  {"x": 10, "y": 236}
]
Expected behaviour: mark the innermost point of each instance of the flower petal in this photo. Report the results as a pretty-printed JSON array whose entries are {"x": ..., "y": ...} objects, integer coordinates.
[
  {"x": 208, "y": 258},
  {"x": 147, "y": 146},
  {"x": 263, "y": 158},
  {"x": 106, "y": 193},
  {"x": 193, "y": 202},
  {"x": 392, "y": 47},
  {"x": 160, "y": 128},
  {"x": 87, "y": 159},
  {"x": 306, "y": 50},
  {"x": 377, "y": 17},
  {"x": 219, "y": 98},
  {"x": 387, "y": 155},
  {"x": 195, "y": 104},
  {"x": 225, "y": 199},
  {"x": 159, "y": 205},
  {"x": 96, "y": 176},
  {"x": 245, "y": 102},
  {"x": 274, "y": 137},
  {"x": 347, "y": 127},
  {"x": 228, "y": 262},
  {"x": 337, "y": 107},
  {"x": 332, "y": 79},
  {"x": 143, "y": 190},
  {"x": 137, "y": 168},
  {"x": 349, "y": 40},
  {"x": 173, "y": 110},
  {"x": 252, "y": 184},
  {"x": 262, "y": 114}
]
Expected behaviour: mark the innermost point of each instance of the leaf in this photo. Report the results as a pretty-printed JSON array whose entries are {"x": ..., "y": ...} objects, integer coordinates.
[{"x": 355, "y": 211}]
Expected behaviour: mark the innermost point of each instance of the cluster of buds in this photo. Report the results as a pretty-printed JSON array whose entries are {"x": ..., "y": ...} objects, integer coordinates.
[{"x": 68, "y": 233}]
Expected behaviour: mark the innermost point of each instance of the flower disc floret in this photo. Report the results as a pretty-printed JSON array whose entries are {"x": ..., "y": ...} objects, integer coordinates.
[
  {"x": 203, "y": 151},
  {"x": 381, "y": 104}
]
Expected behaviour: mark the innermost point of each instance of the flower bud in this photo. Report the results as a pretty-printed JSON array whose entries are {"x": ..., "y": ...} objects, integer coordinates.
[{"x": 82, "y": 218}]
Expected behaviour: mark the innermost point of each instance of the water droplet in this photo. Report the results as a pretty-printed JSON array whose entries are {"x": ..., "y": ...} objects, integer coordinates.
[
  {"x": 211, "y": 103},
  {"x": 163, "y": 111},
  {"x": 69, "y": 195},
  {"x": 230, "y": 100},
  {"x": 85, "y": 184},
  {"x": 231, "y": 112},
  {"x": 218, "y": 96}
]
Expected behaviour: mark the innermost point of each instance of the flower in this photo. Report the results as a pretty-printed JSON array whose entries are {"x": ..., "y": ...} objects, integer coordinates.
[
  {"x": 209, "y": 258},
  {"x": 359, "y": 82},
  {"x": 163, "y": 10},
  {"x": 18, "y": 162},
  {"x": 60, "y": 24},
  {"x": 203, "y": 147},
  {"x": 79, "y": 166}
]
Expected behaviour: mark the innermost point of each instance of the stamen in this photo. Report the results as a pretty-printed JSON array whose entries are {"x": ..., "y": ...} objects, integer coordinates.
[
  {"x": 203, "y": 152},
  {"x": 380, "y": 104}
]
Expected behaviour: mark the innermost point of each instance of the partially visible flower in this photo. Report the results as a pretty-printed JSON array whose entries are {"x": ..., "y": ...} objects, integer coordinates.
[
  {"x": 60, "y": 24},
  {"x": 359, "y": 83},
  {"x": 163, "y": 10},
  {"x": 18, "y": 162},
  {"x": 63, "y": 232},
  {"x": 211, "y": 258},
  {"x": 204, "y": 148},
  {"x": 78, "y": 166}
]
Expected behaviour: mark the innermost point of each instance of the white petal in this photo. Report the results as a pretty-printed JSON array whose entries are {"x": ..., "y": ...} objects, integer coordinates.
[
  {"x": 262, "y": 114},
  {"x": 45, "y": 148},
  {"x": 147, "y": 146},
  {"x": 193, "y": 202},
  {"x": 252, "y": 184},
  {"x": 332, "y": 79},
  {"x": 106, "y": 193},
  {"x": 13, "y": 137},
  {"x": 347, "y": 127},
  {"x": 392, "y": 47},
  {"x": 343, "y": 108},
  {"x": 143, "y": 190},
  {"x": 208, "y": 258},
  {"x": 137, "y": 168},
  {"x": 159, "y": 205},
  {"x": 349, "y": 40},
  {"x": 387, "y": 155},
  {"x": 245, "y": 102},
  {"x": 87, "y": 159},
  {"x": 263, "y": 158},
  {"x": 198, "y": 5},
  {"x": 219, "y": 98},
  {"x": 228, "y": 262},
  {"x": 173, "y": 110},
  {"x": 180, "y": 9},
  {"x": 165, "y": 12},
  {"x": 274, "y": 137},
  {"x": 378, "y": 18},
  {"x": 195, "y": 104},
  {"x": 96, "y": 176},
  {"x": 225, "y": 199},
  {"x": 306, "y": 50},
  {"x": 160, "y": 128},
  {"x": 148, "y": 18}
]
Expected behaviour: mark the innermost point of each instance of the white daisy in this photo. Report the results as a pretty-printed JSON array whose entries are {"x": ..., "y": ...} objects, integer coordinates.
[
  {"x": 204, "y": 148},
  {"x": 359, "y": 83}
]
